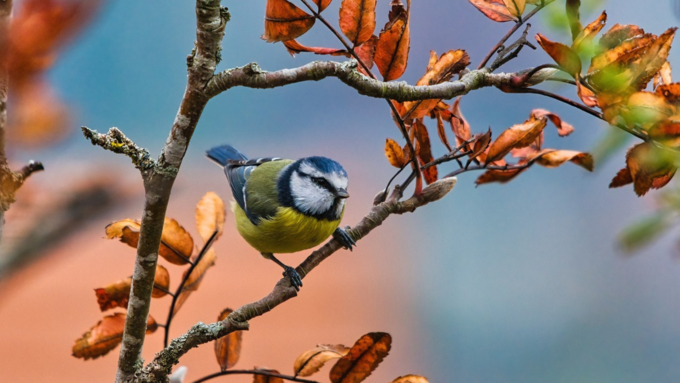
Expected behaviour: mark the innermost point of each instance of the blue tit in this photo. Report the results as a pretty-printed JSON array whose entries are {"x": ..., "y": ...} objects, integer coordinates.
[{"x": 285, "y": 206}]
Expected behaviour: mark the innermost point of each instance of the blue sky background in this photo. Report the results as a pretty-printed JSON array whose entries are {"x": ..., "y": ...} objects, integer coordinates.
[{"x": 510, "y": 283}]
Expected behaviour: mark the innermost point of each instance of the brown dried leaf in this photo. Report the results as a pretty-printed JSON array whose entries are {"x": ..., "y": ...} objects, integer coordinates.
[
  {"x": 622, "y": 178},
  {"x": 194, "y": 280},
  {"x": 590, "y": 31},
  {"x": 517, "y": 136},
  {"x": 285, "y": 21},
  {"x": 210, "y": 215},
  {"x": 480, "y": 143},
  {"x": 357, "y": 20},
  {"x": 654, "y": 58},
  {"x": 618, "y": 34},
  {"x": 411, "y": 379},
  {"x": 500, "y": 176},
  {"x": 646, "y": 109},
  {"x": 627, "y": 51},
  {"x": 311, "y": 361},
  {"x": 449, "y": 64},
  {"x": 105, "y": 336},
  {"x": 564, "y": 56},
  {"x": 362, "y": 359},
  {"x": 551, "y": 158},
  {"x": 294, "y": 48},
  {"x": 323, "y": 4},
  {"x": 391, "y": 54},
  {"x": 663, "y": 77},
  {"x": 117, "y": 294},
  {"x": 650, "y": 167},
  {"x": 264, "y": 378},
  {"x": 442, "y": 132},
  {"x": 228, "y": 348},
  {"x": 493, "y": 10},
  {"x": 460, "y": 126},
  {"x": 394, "y": 153},
  {"x": 176, "y": 243},
  {"x": 366, "y": 53},
  {"x": 563, "y": 129},
  {"x": 424, "y": 151}
]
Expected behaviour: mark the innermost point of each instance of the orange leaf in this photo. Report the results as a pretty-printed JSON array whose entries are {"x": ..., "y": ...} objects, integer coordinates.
[
  {"x": 654, "y": 58},
  {"x": 564, "y": 56},
  {"x": 650, "y": 167},
  {"x": 285, "y": 21},
  {"x": 460, "y": 127},
  {"x": 563, "y": 129},
  {"x": 295, "y": 47},
  {"x": 493, "y": 11},
  {"x": 622, "y": 178},
  {"x": 618, "y": 34},
  {"x": 195, "y": 279},
  {"x": 449, "y": 64},
  {"x": 394, "y": 153},
  {"x": 590, "y": 31},
  {"x": 442, "y": 132},
  {"x": 625, "y": 52},
  {"x": 38, "y": 116},
  {"x": 228, "y": 348},
  {"x": 663, "y": 77},
  {"x": 357, "y": 20},
  {"x": 671, "y": 92},
  {"x": 118, "y": 293},
  {"x": 550, "y": 158},
  {"x": 479, "y": 144},
  {"x": 500, "y": 176},
  {"x": 210, "y": 215},
  {"x": 366, "y": 53},
  {"x": 264, "y": 378},
  {"x": 411, "y": 379},
  {"x": 176, "y": 244},
  {"x": 391, "y": 54},
  {"x": 424, "y": 151},
  {"x": 586, "y": 95},
  {"x": 322, "y": 3},
  {"x": 105, "y": 336},
  {"x": 517, "y": 136},
  {"x": 311, "y": 361},
  {"x": 362, "y": 359}
]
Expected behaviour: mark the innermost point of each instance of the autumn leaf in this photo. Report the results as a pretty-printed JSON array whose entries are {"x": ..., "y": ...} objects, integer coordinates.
[
  {"x": 105, "y": 336},
  {"x": 323, "y": 4},
  {"x": 646, "y": 109},
  {"x": 627, "y": 51},
  {"x": 500, "y": 175},
  {"x": 515, "y": 7},
  {"x": 654, "y": 58},
  {"x": 424, "y": 151},
  {"x": 479, "y": 144},
  {"x": 663, "y": 77},
  {"x": 564, "y": 56},
  {"x": 586, "y": 36},
  {"x": 311, "y": 361},
  {"x": 411, "y": 379},
  {"x": 294, "y": 47},
  {"x": 264, "y": 378},
  {"x": 362, "y": 359},
  {"x": 563, "y": 129},
  {"x": 366, "y": 53},
  {"x": 228, "y": 348},
  {"x": 459, "y": 126},
  {"x": 391, "y": 53},
  {"x": 585, "y": 94},
  {"x": 118, "y": 293},
  {"x": 357, "y": 20},
  {"x": 647, "y": 167},
  {"x": 442, "y": 132},
  {"x": 394, "y": 153},
  {"x": 551, "y": 158},
  {"x": 449, "y": 64},
  {"x": 176, "y": 243},
  {"x": 492, "y": 10},
  {"x": 517, "y": 136},
  {"x": 210, "y": 215},
  {"x": 284, "y": 21},
  {"x": 618, "y": 34}
]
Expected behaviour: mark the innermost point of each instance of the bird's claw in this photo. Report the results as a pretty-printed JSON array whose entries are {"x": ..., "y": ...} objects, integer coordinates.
[
  {"x": 345, "y": 239},
  {"x": 293, "y": 276}
]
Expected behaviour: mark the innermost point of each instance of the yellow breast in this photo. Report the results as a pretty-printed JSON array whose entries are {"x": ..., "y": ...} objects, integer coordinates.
[{"x": 286, "y": 232}]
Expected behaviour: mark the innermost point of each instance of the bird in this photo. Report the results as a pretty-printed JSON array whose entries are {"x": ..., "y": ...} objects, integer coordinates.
[{"x": 283, "y": 205}]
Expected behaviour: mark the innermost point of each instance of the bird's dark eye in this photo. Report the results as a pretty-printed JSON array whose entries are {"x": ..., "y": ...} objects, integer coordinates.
[{"x": 320, "y": 181}]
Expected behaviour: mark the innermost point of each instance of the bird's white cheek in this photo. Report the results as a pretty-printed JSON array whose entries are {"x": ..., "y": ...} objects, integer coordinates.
[{"x": 309, "y": 197}]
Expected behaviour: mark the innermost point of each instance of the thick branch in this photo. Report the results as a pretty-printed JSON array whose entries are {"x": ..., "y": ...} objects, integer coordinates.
[
  {"x": 202, "y": 333},
  {"x": 5, "y": 18},
  {"x": 117, "y": 142},
  {"x": 252, "y": 76},
  {"x": 210, "y": 22}
]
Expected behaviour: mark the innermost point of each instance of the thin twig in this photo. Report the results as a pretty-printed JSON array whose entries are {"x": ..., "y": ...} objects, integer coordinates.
[
  {"x": 511, "y": 52},
  {"x": 512, "y": 30},
  {"x": 483, "y": 167},
  {"x": 254, "y": 372},
  {"x": 175, "y": 296}
]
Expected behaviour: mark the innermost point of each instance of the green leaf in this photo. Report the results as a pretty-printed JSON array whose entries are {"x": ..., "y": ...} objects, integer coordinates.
[{"x": 643, "y": 232}]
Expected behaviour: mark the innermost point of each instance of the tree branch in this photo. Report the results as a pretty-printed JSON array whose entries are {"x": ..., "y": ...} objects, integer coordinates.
[
  {"x": 117, "y": 142},
  {"x": 252, "y": 76},
  {"x": 201, "y": 333},
  {"x": 210, "y": 22},
  {"x": 6, "y": 196},
  {"x": 254, "y": 372}
]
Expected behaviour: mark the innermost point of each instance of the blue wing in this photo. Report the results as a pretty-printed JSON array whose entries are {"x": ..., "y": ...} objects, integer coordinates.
[{"x": 237, "y": 168}]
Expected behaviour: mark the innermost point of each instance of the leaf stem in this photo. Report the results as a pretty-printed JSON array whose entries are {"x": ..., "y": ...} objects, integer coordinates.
[{"x": 254, "y": 372}]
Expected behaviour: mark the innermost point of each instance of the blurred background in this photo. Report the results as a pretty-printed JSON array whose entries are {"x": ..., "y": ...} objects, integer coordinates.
[{"x": 521, "y": 282}]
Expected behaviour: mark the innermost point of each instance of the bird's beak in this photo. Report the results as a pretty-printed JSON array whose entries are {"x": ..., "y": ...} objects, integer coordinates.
[{"x": 341, "y": 193}]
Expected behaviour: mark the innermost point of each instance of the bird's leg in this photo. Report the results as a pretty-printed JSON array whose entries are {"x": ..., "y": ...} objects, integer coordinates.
[
  {"x": 345, "y": 239},
  {"x": 293, "y": 276}
]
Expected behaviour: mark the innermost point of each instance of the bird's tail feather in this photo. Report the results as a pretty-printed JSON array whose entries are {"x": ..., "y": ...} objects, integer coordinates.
[{"x": 225, "y": 153}]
